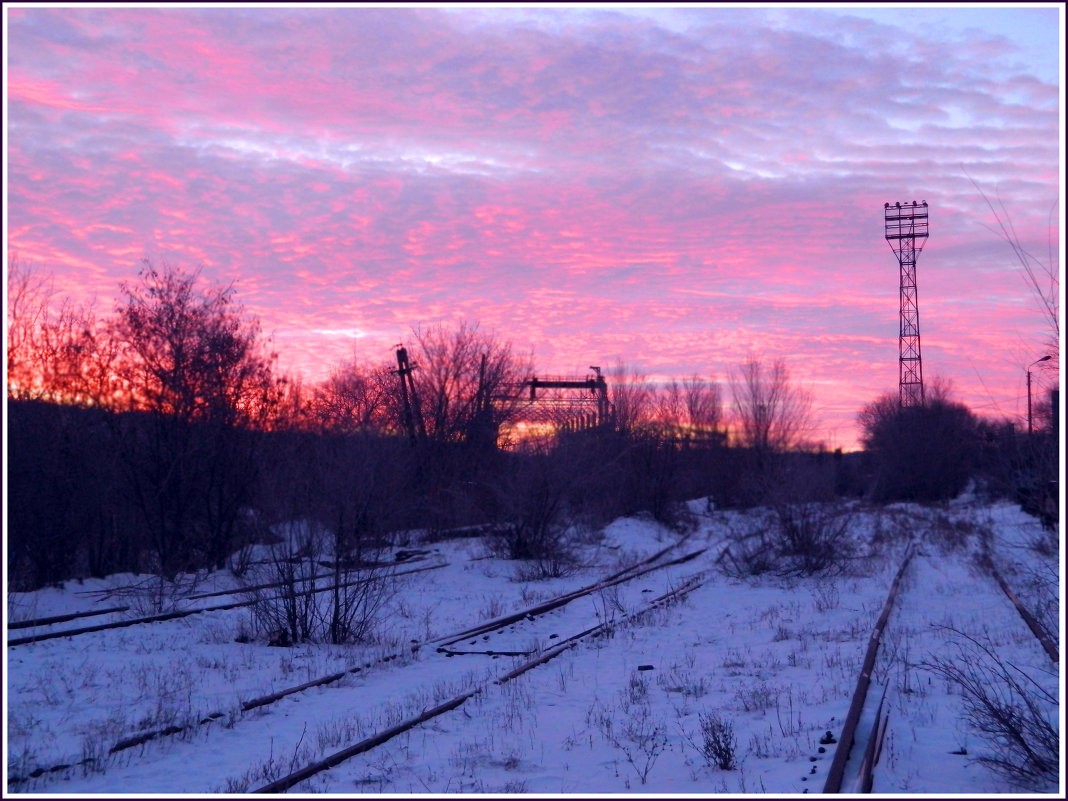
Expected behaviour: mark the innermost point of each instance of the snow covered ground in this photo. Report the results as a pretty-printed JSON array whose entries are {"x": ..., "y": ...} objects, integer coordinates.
[{"x": 768, "y": 663}]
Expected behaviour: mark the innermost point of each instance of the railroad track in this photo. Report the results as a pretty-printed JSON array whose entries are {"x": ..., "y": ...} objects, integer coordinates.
[
  {"x": 861, "y": 741},
  {"x": 404, "y": 557},
  {"x": 629, "y": 574},
  {"x": 1044, "y": 637},
  {"x": 440, "y": 645},
  {"x": 66, "y": 618},
  {"x": 177, "y": 614},
  {"x": 379, "y": 738},
  {"x": 849, "y": 735}
]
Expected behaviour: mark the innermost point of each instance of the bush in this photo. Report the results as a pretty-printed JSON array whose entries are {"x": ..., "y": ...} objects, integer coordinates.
[
  {"x": 1010, "y": 710},
  {"x": 534, "y": 497},
  {"x": 799, "y": 539},
  {"x": 920, "y": 453},
  {"x": 718, "y": 743},
  {"x": 812, "y": 539}
]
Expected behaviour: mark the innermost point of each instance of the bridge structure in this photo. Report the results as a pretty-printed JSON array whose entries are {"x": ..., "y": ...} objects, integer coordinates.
[
  {"x": 535, "y": 407},
  {"x": 541, "y": 407},
  {"x": 566, "y": 402}
]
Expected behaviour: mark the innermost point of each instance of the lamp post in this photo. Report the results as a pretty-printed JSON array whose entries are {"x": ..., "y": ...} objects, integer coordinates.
[{"x": 1030, "y": 423}]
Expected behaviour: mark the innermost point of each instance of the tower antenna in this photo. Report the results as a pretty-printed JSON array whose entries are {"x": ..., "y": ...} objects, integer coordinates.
[{"x": 905, "y": 224}]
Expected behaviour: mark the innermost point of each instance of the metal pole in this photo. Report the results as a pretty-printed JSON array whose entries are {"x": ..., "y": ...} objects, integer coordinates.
[
  {"x": 1030, "y": 426},
  {"x": 1046, "y": 358}
]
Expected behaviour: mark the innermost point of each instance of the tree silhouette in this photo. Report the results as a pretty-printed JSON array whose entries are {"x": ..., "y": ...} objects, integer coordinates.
[
  {"x": 196, "y": 382},
  {"x": 920, "y": 453}
]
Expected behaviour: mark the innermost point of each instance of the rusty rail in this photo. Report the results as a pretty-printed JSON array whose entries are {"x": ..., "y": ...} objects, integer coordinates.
[
  {"x": 636, "y": 570},
  {"x": 51, "y": 635},
  {"x": 1032, "y": 623},
  {"x": 295, "y": 778},
  {"x": 860, "y": 694}
]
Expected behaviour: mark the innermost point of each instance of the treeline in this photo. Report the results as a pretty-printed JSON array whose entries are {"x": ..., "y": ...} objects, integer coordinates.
[{"x": 162, "y": 438}]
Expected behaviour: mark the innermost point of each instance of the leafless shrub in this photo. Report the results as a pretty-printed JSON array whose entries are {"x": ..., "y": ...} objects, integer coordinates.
[
  {"x": 718, "y": 744},
  {"x": 635, "y": 731},
  {"x": 553, "y": 559},
  {"x": 825, "y": 596},
  {"x": 534, "y": 494},
  {"x": 287, "y": 612},
  {"x": 156, "y": 594},
  {"x": 1012, "y": 711},
  {"x": 750, "y": 553},
  {"x": 952, "y": 535},
  {"x": 812, "y": 538},
  {"x": 1047, "y": 542},
  {"x": 608, "y": 605},
  {"x": 800, "y": 539},
  {"x": 356, "y": 603},
  {"x": 757, "y": 698},
  {"x": 1043, "y": 591}
]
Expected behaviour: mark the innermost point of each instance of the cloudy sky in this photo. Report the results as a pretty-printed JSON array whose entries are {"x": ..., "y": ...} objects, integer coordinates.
[{"x": 673, "y": 188}]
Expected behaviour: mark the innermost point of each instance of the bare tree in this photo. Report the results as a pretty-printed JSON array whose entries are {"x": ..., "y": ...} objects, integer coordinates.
[
  {"x": 28, "y": 298},
  {"x": 189, "y": 353},
  {"x": 68, "y": 516},
  {"x": 704, "y": 407},
  {"x": 632, "y": 398},
  {"x": 193, "y": 362},
  {"x": 771, "y": 414},
  {"x": 76, "y": 357},
  {"x": 353, "y": 399},
  {"x": 464, "y": 378},
  {"x": 689, "y": 410},
  {"x": 667, "y": 410}
]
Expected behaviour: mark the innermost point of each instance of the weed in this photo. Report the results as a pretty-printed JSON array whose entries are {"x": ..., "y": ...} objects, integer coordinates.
[
  {"x": 494, "y": 608},
  {"x": 718, "y": 744},
  {"x": 684, "y": 682},
  {"x": 634, "y": 731},
  {"x": 825, "y": 596},
  {"x": 757, "y": 698},
  {"x": 1009, "y": 709}
]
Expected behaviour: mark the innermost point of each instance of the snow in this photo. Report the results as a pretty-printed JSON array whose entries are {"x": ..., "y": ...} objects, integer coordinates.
[{"x": 775, "y": 658}]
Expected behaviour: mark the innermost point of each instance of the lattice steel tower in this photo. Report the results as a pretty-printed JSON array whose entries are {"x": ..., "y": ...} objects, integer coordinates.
[{"x": 906, "y": 231}]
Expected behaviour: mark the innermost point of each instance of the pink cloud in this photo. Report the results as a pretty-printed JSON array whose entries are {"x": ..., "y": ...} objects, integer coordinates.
[{"x": 600, "y": 190}]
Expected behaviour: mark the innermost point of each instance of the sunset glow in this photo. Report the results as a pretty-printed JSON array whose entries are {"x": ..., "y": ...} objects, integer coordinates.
[{"x": 667, "y": 188}]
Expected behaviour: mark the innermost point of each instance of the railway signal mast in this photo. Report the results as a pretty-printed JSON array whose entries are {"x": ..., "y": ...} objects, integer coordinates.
[{"x": 906, "y": 231}]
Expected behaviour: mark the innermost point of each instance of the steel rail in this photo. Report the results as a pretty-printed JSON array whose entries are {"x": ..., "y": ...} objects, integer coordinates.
[
  {"x": 254, "y": 703},
  {"x": 49, "y": 621},
  {"x": 64, "y": 618},
  {"x": 865, "y": 781},
  {"x": 860, "y": 694},
  {"x": 1032, "y": 623},
  {"x": 174, "y": 615},
  {"x": 555, "y": 603},
  {"x": 335, "y": 759}
]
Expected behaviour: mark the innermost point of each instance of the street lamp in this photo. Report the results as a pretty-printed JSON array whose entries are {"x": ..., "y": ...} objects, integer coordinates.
[{"x": 1030, "y": 424}]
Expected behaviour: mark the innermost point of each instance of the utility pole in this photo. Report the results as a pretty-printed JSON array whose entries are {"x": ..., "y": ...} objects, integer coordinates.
[
  {"x": 413, "y": 416},
  {"x": 1030, "y": 419}
]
